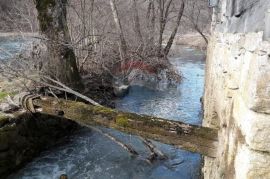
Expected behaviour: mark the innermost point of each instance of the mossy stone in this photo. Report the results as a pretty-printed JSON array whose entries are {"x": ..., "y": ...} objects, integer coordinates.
[{"x": 122, "y": 121}]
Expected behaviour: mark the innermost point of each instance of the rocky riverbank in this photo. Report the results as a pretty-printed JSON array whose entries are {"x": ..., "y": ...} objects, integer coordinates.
[{"x": 23, "y": 137}]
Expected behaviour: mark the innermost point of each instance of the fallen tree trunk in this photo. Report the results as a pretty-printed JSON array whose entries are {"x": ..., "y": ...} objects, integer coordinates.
[{"x": 185, "y": 136}]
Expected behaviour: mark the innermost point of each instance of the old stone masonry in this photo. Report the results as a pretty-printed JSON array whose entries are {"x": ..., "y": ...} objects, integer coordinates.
[{"x": 237, "y": 89}]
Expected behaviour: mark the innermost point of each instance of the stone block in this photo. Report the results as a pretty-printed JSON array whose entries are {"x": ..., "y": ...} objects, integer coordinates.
[
  {"x": 250, "y": 164},
  {"x": 252, "y": 41},
  {"x": 254, "y": 126},
  {"x": 255, "y": 81}
]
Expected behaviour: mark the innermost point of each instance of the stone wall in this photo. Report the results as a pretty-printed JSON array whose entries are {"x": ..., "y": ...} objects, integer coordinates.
[
  {"x": 237, "y": 102},
  {"x": 237, "y": 90},
  {"x": 241, "y": 16}
]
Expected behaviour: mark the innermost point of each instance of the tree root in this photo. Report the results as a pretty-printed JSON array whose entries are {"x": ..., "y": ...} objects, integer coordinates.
[
  {"x": 154, "y": 152},
  {"x": 118, "y": 142}
]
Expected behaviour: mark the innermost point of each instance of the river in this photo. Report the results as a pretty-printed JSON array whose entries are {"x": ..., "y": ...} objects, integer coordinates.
[
  {"x": 11, "y": 46},
  {"x": 88, "y": 154}
]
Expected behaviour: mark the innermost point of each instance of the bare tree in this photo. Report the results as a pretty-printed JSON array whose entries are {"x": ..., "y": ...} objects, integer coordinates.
[
  {"x": 137, "y": 26},
  {"x": 163, "y": 17},
  {"x": 123, "y": 45},
  {"x": 84, "y": 34},
  {"x": 62, "y": 61},
  {"x": 151, "y": 23},
  {"x": 199, "y": 16},
  {"x": 170, "y": 41},
  {"x": 18, "y": 16}
]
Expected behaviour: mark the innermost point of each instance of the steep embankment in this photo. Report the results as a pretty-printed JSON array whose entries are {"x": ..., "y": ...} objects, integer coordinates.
[{"x": 24, "y": 137}]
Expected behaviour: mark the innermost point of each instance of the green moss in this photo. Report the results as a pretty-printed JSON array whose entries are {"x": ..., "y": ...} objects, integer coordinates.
[
  {"x": 206, "y": 133},
  {"x": 5, "y": 94},
  {"x": 104, "y": 110},
  {"x": 2, "y": 117},
  {"x": 192, "y": 148},
  {"x": 121, "y": 121}
]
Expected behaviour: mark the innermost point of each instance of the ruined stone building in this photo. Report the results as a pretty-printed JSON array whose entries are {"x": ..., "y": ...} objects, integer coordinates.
[{"x": 237, "y": 89}]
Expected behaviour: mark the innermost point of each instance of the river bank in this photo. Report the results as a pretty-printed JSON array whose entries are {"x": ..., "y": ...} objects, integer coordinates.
[
  {"x": 100, "y": 92},
  {"x": 192, "y": 40},
  {"x": 23, "y": 137},
  {"x": 87, "y": 155}
]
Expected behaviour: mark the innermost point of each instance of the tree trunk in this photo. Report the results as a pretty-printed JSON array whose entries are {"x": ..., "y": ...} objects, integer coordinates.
[
  {"x": 151, "y": 22},
  {"x": 161, "y": 26},
  {"x": 201, "y": 33},
  {"x": 137, "y": 26},
  {"x": 190, "y": 137},
  {"x": 53, "y": 25},
  {"x": 170, "y": 41},
  {"x": 123, "y": 45},
  {"x": 163, "y": 17}
]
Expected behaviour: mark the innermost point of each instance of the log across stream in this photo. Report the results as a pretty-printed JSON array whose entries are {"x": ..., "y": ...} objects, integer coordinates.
[{"x": 186, "y": 136}]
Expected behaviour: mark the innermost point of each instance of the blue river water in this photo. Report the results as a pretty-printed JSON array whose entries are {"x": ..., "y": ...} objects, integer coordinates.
[
  {"x": 11, "y": 46},
  {"x": 88, "y": 154}
]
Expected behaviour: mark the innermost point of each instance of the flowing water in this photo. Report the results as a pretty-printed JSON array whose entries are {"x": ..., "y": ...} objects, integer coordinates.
[
  {"x": 88, "y": 154},
  {"x": 10, "y": 47}
]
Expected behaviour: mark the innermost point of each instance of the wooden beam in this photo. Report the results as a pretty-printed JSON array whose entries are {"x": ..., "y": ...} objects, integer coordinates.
[{"x": 185, "y": 136}]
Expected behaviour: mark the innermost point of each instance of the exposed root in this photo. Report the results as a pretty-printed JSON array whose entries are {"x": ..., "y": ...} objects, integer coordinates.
[
  {"x": 118, "y": 142},
  {"x": 154, "y": 152}
]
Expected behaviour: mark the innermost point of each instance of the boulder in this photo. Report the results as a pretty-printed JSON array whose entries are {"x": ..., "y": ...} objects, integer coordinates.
[
  {"x": 121, "y": 90},
  {"x": 7, "y": 107}
]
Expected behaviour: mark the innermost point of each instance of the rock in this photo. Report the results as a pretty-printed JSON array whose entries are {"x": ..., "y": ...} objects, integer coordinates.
[
  {"x": 24, "y": 137},
  {"x": 7, "y": 108},
  {"x": 63, "y": 176},
  {"x": 254, "y": 166},
  {"x": 121, "y": 90},
  {"x": 254, "y": 126},
  {"x": 11, "y": 104}
]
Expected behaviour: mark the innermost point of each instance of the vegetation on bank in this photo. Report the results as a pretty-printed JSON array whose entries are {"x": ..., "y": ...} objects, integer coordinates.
[
  {"x": 3, "y": 95},
  {"x": 89, "y": 39},
  {"x": 79, "y": 46}
]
